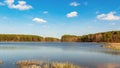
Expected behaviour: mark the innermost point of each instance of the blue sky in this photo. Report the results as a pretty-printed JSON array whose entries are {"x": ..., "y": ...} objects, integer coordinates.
[{"x": 58, "y": 17}]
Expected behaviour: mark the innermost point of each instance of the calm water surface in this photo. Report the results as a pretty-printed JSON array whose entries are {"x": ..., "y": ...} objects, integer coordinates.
[{"x": 87, "y": 55}]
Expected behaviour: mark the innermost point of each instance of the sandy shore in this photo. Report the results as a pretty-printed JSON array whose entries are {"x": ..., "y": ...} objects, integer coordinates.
[
  {"x": 115, "y": 46},
  {"x": 39, "y": 64}
]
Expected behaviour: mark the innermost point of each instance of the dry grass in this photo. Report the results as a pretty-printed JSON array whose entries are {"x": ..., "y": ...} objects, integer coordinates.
[
  {"x": 39, "y": 64},
  {"x": 115, "y": 46},
  {"x": 1, "y": 62}
]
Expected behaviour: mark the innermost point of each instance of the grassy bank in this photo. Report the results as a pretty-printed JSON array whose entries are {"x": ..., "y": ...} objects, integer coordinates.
[
  {"x": 1, "y": 62},
  {"x": 40, "y": 64},
  {"x": 115, "y": 46}
]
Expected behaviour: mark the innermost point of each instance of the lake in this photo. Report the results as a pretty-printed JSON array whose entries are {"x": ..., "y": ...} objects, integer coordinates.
[{"x": 87, "y": 55}]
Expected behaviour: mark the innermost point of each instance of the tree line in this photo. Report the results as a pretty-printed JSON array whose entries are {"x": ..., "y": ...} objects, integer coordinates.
[
  {"x": 111, "y": 36},
  {"x": 25, "y": 38}
]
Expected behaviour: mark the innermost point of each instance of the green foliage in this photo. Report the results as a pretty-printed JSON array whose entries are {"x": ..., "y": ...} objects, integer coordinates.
[
  {"x": 17, "y": 38},
  {"x": 69, "y": 38},
  {"x": 111, "y": 36},
  {"x": 51, "y": 39}
]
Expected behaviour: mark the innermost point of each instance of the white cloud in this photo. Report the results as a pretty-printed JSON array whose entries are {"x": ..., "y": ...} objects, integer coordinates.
[
  {"x": 9, "y": 2},
  {"x": 39, "y": 20},
  {"x": 22, "y": 5},
  {"x": 109, "y": 16},
  {"x": 45, "y": 12},
  {"x": 74, "y": 4},
  {"x": 72, "y": 14},
  {"x": 2, "y": 4}
]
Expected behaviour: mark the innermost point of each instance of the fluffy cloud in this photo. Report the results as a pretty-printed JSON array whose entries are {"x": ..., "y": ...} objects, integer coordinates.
[
  {"x": 74, "y": 4},
  {"x": 2, "y": 4},
  {"x": 39, "y": 20},
  {"x": 109, "y": 16},
  {"x": 9, "y": 2},
  {"x": 72, "y": 14},
  {"x": 22, "y": 5}
]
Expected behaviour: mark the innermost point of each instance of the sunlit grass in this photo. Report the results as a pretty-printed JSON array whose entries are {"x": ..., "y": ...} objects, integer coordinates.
[
  {"x": 1, "y": 62},
  {"x": 40, "y": 64},
  {"x": 115, "y": 46}
]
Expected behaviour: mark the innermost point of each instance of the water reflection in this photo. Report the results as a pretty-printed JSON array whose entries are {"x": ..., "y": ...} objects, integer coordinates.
[
  {"x": 111, "y": 52},
  {"x": 87, "y": 55}
]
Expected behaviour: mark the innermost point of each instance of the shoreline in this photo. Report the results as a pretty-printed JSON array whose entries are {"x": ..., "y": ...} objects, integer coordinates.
[
  {"x": 41, "y": 64},
  {"x": 115, "y": 46},
  {"x": 1, "y": 62}
]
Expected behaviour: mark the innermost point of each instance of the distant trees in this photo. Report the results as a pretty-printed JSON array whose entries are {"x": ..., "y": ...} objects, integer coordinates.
[
  {"x": 69, "y": 38},
  {"x": 51, "y": 39},
  {"x": 17, "y": 38},
  {"x": 26, "y": 38},
  {"x": 111, "y": 36}
]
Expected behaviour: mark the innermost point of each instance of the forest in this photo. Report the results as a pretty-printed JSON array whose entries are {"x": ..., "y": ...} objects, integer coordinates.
[{"x": 111, "y": 36}]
